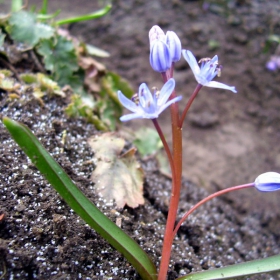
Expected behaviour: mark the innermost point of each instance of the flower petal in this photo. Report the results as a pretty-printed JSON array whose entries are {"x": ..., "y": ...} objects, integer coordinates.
[
  {"x": 174, "y": 44},
  {"x": 145, "y": 97},
  {"x": 189, "y": 57},
  {"x": 268, "y": 182},
  {"x": 127, "y": 103},
  {"x": 214, "y": 60},
  {"x": 215, "y": 84},
  {"x": 166, "y": 91},
  {"x": 160, "y": 58},
  {"x": 176, "y": 99},
  {"x": 129, "y": 117},
  {"x": 156, "y": 33}
]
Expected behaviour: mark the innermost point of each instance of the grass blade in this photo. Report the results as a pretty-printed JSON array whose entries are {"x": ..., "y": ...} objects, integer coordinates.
[
  {"x": 61, "y": 182},
  {"x": 95, "y": 15},
  {"x": 16, "y": 5},
  {"x": 269, "y": 264}
]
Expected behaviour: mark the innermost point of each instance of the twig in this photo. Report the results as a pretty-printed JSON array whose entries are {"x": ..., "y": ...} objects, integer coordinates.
[
  {"x": 11, "y": 67},
  {"x": 37, "y": 62}
]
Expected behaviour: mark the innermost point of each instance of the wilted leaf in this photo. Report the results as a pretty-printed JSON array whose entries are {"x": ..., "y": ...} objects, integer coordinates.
[
  {"x": 42, "y": 83},
  {"x": 147, "y": 141},
  {"x": 5, "y": 73},
  {"x": 116, "y": 177},
  {"x": 84, "y": 107},
  {"x": 24, "y": 28},
  {"x": 8, "y": 84},
  {"x": 49, "y": 85},
  {"x": 92, "y": 50},
  {"x": 93, "y": 71}
]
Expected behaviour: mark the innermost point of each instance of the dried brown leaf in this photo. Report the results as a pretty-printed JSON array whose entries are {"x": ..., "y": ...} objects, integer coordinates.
[{"x": 117, "y": 177}]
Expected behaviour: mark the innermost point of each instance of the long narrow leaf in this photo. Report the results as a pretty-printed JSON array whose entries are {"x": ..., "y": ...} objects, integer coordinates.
[
  {"x": 56, "y": 176},
  {"x": 16, "y": 5},
  {"x": 95, "y": 15},
  {"x": 269, "y": 264}
]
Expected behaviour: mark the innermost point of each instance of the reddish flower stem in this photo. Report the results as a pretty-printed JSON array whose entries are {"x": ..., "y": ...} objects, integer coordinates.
[
  {"x": 190, "y": 101},
  {"x": 231, "y": 189},
  {"x": 165, "y": 145},
  {"x": 176, "y": 186}
]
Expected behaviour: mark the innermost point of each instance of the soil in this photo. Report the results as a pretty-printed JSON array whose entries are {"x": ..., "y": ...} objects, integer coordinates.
[{"x": 229, "y": 139}]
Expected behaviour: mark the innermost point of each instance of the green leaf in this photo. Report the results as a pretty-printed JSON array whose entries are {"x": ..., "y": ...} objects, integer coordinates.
[
  {"x": 16, "y": 5},
  {"x": 64, "y": 76},
  {"x": 59, "y": 53},
  {"x": 112, "y": 82},
  {"x": 61, "y": 59},
  {"x": 109, "y": 112},
  {"x": 2, "y": 38},
  {"x": 29, "y": 78},
  {"x": 44, "y": 8},
  {"x": 61, "y": 182},
  {"x": 44, "y": 17},
  {"x": 24, "y": 28},
  {"x": 109, "y": 105},
  {"x": 274, "y": 38},
  {"x": 269, "y": 264},
  {"x": 116, "y": 177},
  {"x": 147, "y": 141}
]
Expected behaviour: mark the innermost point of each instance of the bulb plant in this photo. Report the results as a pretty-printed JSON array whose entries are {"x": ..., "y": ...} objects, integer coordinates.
[{"x": 165, "y": 51}]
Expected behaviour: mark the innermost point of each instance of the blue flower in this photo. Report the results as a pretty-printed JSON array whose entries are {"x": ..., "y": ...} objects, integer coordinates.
[
  {"x": 268, "y": 182},
  {"x": 160, "y": 58},
  {"x": 174, "y": 44},
  {"x": 155, "y": 34},
  {"x": 147, "y": 105},
  {"x": 208, "y": 70},
  {"x": 274, "y": 63},
  {"x": 165, "y": 49}
]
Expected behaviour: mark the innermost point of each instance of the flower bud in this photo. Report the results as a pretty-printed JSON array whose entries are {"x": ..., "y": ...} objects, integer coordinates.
[
  {"x": 268, "y": 182},
  {"x": 156, "y": 33},
  {"x": 174, "y": 44},
  {"x": 160, "y": 58}
]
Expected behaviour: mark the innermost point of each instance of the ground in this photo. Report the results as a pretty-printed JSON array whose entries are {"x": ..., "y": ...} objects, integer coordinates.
[{"x": 229, "y": 139}]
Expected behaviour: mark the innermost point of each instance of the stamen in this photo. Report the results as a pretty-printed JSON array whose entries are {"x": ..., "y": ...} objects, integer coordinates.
[
  {"x": 206, "y": 59},
  {"x": 135, "y": 98},
  {"x": 219, "y": 70},
  {"x": 156, "y": 92}
]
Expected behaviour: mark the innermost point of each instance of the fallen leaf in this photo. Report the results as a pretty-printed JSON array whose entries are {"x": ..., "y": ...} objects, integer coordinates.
[
  {"x": 116, "y": 177},
  {"x": 94, "y": 71}
]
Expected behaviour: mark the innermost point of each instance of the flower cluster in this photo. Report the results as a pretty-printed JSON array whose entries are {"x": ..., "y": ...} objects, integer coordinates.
[{"x": 165, "y": 50}]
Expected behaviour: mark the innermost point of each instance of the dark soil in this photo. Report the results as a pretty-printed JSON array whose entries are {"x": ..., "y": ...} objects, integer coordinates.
[{"x": 40, "y": 237}]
